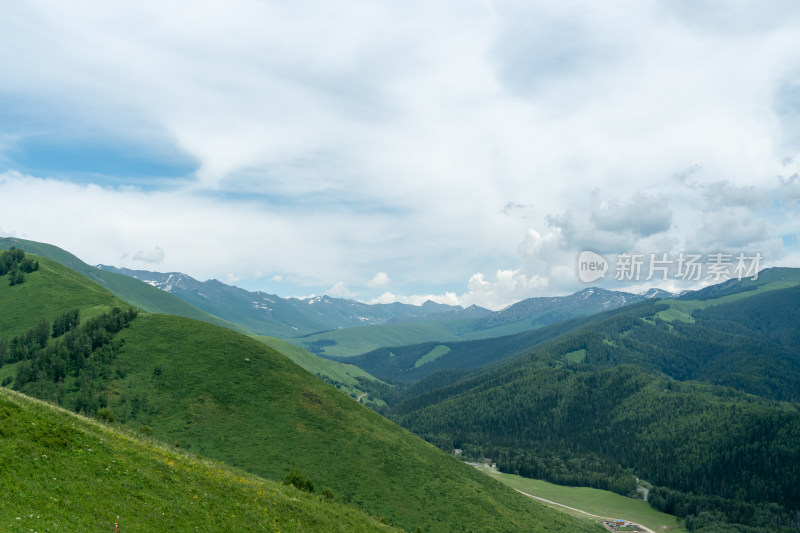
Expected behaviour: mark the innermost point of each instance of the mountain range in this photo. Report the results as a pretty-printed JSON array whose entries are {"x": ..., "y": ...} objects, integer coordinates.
[
  {"x": 315, "y": 322},
  {"x": 269, "y": 314},
  {"x": 694, "y": 397},
  {"x": 697, "y": 395}
]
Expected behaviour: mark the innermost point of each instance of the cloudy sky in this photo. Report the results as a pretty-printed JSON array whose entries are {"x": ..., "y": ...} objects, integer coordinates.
[{"x": 463, "y": 151}]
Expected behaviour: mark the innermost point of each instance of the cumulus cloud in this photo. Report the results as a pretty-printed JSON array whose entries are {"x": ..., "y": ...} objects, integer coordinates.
[
  {"x": 448, "y": 298},
  {"x": 154, "y": 255},
  {"x": 729, "y": 228},
  {"x": 340, "y": 290},
  {"x": 442, "y": 142},
  {"x": 503, "y": 290},
  {"x": 721, "y": 194},
  {"x": 188, "y": 225},
  {"x": 381, "y": 279},
  {"x": 643, "y": 214},
  {"x": 546, "y": 262}
]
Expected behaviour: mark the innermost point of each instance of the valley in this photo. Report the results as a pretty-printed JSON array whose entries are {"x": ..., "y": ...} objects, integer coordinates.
[
  {"x": 221, "y": 395},
  {"x": 425, "y": 267},
  {"x": 592, "y": 398},
  {"x": 592, "y": 502}
]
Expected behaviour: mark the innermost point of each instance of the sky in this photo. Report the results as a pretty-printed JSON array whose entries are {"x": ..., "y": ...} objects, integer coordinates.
[{"x": 461, "y": 151}]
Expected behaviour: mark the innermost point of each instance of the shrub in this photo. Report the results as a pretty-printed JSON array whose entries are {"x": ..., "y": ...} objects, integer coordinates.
[
  {"x": 298, "y": 480},
  {"x": 105, "y": 414}
]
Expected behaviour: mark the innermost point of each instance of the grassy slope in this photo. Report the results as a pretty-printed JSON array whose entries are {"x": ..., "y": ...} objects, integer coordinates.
[
  {"x": 770, "y": 281},
  {"x": 432, "y": 356},
  {"x": 355, "y": 341},
  {"x": 594, "y": 501},
  {"x": 500, "y": 331},
  {"x": 77, "y": 286},
  {"x": 134, "y": 292},
  {"x": 47, "y": 293},
  {"x": 267, "y": 415},
  {"x": 62, "y": 472},
  {"x": 345, "y": 375}
]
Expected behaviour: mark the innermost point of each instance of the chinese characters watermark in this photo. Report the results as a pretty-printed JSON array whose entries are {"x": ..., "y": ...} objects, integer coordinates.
[{"x": 634, "y": 266}]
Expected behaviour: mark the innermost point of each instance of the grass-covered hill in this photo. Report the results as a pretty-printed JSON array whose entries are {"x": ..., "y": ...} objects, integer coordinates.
[
  {"x": 226, "y": 396},
  {"x": 132, "y": 291},
  {"x": 350, "y": 379},
  {"x": 47, "y": 293},
  {"x": 63, "y": 472},
  {"x": 405, "y": 365},
  {"x": 347, "y": 342},
  {"x": 151, "y": 299}
]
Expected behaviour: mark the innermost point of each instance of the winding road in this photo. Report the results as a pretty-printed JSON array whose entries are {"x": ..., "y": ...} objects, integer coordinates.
[{"x": 638, "y": 526}]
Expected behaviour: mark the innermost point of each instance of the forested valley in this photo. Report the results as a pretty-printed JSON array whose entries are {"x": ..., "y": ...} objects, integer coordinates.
[{"x": 704, "y": 408}]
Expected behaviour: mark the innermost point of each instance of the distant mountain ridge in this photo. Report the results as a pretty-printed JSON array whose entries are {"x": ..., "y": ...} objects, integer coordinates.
[
  {"x": 269, "y": 314},
  {"x": 146, "y": 298},
  {"x": 548, "y": 310},
  {"x": 661, "y": 294},
  {"x": 319, "y": 320}
]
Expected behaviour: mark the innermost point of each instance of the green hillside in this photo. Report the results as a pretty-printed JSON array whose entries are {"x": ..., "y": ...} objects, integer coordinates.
[
  {"x": 47, "y": 293},
  {"x": 267, "y": 415},
  {"x": 49, "y": 301},
  {"x": 406, "y": 365},
  {"x": 63, "y": 472},
  {"x": 132, "y": 291},
  {"x": 348, "y": 342},
  {"x": 501, "y": 331},
  {"x": 350, "y": 379},
  {"x": 692, "y": 406},
  {"x": 229, "y": 397},
  {"x": 729, "y": 292}
]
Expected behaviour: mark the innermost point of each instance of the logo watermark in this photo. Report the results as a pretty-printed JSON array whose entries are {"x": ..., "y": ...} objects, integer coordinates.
[
  {"x": 591, "y": 266},
  {"x": 635, "y": 266}
]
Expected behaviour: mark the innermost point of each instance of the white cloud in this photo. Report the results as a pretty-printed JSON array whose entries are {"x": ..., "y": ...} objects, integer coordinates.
[
  {"x": 154, "y": 255},
  {"x": 643, "y": 215},
  {"x": 340, "y": 290},
  {"x": 448, "y": 298},
  {"x": 455, "y": 144},
  {"x": 189, "y": 226},
  {"x": 729, "y": 228},
  {"x": 379, "y": 280}
]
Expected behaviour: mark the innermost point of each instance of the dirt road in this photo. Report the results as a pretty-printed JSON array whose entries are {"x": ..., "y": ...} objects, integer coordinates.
[{"x": 638, "y": 526}]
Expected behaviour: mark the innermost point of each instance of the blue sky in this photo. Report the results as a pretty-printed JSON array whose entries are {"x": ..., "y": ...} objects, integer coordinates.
[{"x": 461, "y": 151}]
